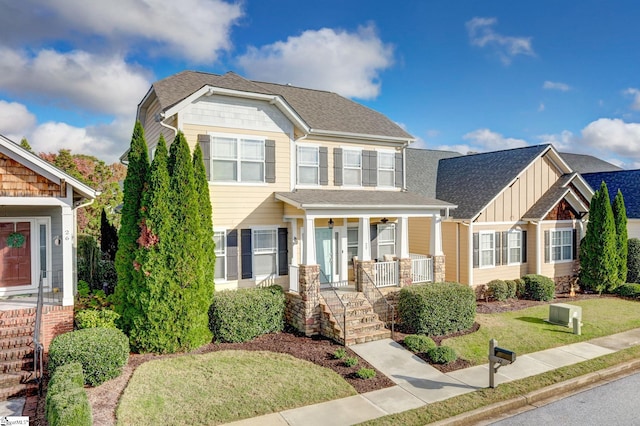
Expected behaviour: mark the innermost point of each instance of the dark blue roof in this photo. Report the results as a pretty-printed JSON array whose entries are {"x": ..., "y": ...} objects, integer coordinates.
[{"x": 627, "y": 181}]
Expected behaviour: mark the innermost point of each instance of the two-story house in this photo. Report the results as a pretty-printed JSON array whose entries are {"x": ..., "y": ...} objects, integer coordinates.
[{"x": 306, "y": 185}]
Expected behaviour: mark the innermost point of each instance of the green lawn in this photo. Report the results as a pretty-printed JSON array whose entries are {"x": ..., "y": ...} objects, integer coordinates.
[
  {"x": 221, "y": 387},
  {"x": 526, "y": 331}
]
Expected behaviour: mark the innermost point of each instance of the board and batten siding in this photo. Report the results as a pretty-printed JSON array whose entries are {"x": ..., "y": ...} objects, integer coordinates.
[
  {"x": 515, "y": 200},
  {"x": 455, "y": 247}
]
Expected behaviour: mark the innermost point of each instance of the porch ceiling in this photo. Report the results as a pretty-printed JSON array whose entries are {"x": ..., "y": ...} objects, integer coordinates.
[{"x": 327, "y": 199}]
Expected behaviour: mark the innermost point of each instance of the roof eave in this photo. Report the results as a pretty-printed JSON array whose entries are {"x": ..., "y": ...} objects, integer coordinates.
[{"x": 362, "y": 136}]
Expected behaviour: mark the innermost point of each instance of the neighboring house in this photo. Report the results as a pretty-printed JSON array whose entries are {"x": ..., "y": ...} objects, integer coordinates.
[
  {"x": 520, "y": 211},
  {"x": 583, "y": 163},
  {"x": 38, "y": 205},
  {"x": 298, "y": 178},
  {"x": 627, "y": 181}
]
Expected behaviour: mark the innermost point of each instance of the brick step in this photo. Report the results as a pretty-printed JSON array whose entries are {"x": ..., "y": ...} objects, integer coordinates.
[
  {"x": 356, "y": 303},
  {"x": 16, "y": 353},
  {"x": 21, "y": 390},
  {"x": 16, "y": 341},
  {"x": 16, "y": 366},
  {"x": 8, "y": 380},
  {"x": 368, "y": 337},
  {"x": 17, "y": 313},
  {"x": 365, "y": 328},
  {"x": 16, "y": 331},
  {"x": 22, "y": 321},
  {"x": 360, "y": 310},
  {"x": 362, "y": 319}
]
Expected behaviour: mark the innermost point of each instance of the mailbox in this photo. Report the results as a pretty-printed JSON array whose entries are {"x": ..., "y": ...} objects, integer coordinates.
[{"x": 505, "y": 354}]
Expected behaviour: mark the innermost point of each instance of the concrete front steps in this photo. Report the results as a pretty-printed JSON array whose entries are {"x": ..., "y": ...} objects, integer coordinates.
[
  {"x": 16, "y": 353},
  {"x": 362, "y": 323}
]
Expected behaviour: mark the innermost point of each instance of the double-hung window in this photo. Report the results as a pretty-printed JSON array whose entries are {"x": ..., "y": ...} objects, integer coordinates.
[
  {"x": 386, "y": 239},
  {"x": 487, "y": 249},
  {"x": 308, "y": 165},
  {"x": 561, "y": 245},
  {"x": 386, "y": 168},
  {"x": 514, "y": 247},
  {"x": 220, "y": 240},
  {"x": 237, "y": 159},
  {"x": 265, "y": 252},
  {"x": 352, "y": 164},
  {"x": 352, "y": 243}
]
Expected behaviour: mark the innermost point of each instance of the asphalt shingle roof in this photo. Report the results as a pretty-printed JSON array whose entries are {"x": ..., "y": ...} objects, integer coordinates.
[
  {"x": 627, "y": 181},
  {"x": 320, "y": 110},
  {"x": 582, "y": 163},
  {"x": 550, "y": 198},
  {"x": 472, "y": 181},
  {"x": 422, "y": 169}
]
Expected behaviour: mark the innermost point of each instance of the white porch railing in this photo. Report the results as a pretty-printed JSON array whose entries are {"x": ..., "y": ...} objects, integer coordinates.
[
  {"x": 421, "y": 268},
  {"x": 386, "y": 273},
  {"x": 294, "y": 278}
]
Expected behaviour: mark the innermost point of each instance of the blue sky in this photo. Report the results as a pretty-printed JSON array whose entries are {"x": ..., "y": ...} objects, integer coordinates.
[{"x": 464, "y": 76}]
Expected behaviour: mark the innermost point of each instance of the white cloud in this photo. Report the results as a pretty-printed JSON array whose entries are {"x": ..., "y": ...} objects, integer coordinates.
[
  {"x": 613, "y": 136},
  {"x": 555, "y": 85},
  {"x": 636, "y": 97},
  {"x": 348, "y": 63},
  {"x": 15, "y": 120},
  {"x": 482, "y": 34},
  {"x": 197, "y": 30},
  {"x": 563, "y": 141},
  {"x": 541, "y": 107},
  {"x": 486, "y": 140},
  {"x": 77, "y": 79}
]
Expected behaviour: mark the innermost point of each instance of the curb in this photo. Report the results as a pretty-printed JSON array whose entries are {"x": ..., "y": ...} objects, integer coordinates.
[{"x": 543, "y": 396}]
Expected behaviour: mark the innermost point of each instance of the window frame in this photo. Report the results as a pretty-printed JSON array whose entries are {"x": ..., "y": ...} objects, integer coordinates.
[
  {"x": 273, "y": 251},
  {"x": 561, "y": 231},
  {"x": 351, "y": 245},
  {"x": 238, "y": 160},
  {"x": 346, "y": 167},
  {"x": 380, "y": 228},
  {"x": 492, "y": 250},
  {"x": 392, "y": 154},
  {"x": 221, "y": 255},
  {"x": 510, "y": 247},
  {"x": 298, "y": 165}
]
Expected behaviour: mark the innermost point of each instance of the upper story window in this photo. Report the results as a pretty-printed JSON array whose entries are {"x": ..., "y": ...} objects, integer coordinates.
[
  {"x": 386, "y": 168},
  {"x": 308, "y": 165},
  {"x": 237, "y": 159},
  {"x": 352, "y": 167}
]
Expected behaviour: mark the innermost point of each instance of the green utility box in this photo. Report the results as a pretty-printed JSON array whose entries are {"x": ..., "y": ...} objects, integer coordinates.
[{"x": 563, "y": 314}]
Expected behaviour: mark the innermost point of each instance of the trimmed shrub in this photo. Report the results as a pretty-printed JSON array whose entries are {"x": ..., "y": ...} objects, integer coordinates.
[
  {"x": 102, "y": 352},
  {"x": 92, "y": 318},
  {"x": 633, "y": 260},
  {"x": 366, "y": 373},
  {"x": 66, "y": 402},
  {"x": 351, "y": 361},
  {"x": 419, "y": 343},
  {"x": 437, "y": 309},
  {"x": 512, "y": 288},
  {"x": 442, "y": 355},
  {"x": 539, "y": 287},
  {"x": 241, "y": 315},
  {"x": 520, "y": 288},
  {"x": 631, "y": 290},
  {"x": 340, "y": 353},
  {"x": 498, "y": 290}
]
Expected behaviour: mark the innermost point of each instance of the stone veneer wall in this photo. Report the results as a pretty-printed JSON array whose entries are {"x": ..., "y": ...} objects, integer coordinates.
[
  {"x": 438, "y": 269},
  {"x": 303, "y": 309},
  {"x": 363, "y": 267},
  {"x": 405, "y": 277}
]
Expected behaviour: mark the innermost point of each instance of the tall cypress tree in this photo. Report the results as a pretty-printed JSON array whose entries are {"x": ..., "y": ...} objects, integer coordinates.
[
  {"x": 137, "y": 173},
  {"x": 206, "y": 223},
  {"x": 187, "y": 253},
  {"x": 620, "y": 218}
]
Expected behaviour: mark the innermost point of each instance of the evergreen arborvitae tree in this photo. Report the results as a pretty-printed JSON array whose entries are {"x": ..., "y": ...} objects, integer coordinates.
[
  {"x": 598, "y": 255},
  {"x": 126, "y": 297},
  {"x": 186, "y": 260},
  {"x": 25, "y": 144},
  {"x": 620, "y": 218},
  {"x": 206, "y": 225},
  {"x": 108, "y": 237},
  {"x": 154, "y": 328}
]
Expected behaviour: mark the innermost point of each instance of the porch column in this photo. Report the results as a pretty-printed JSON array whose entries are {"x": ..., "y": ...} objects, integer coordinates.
[
  {"x": 309, "y": 241},
  {"x": 364, "y": 239},
  {"x": 294, "y": 242},
  {"x": 67, "y": 256},
  {"x": 436, "y": 235}
]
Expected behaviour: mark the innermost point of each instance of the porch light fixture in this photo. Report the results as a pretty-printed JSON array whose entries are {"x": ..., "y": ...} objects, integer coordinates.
[
  {"x": 384, "y": 220},
  {"x": 331, "y": 223}
]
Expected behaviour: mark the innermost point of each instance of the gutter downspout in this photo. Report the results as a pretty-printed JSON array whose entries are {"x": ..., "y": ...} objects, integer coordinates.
[
  {"x": 160, "y": 119},
  {"x": 538, "y": 256}
]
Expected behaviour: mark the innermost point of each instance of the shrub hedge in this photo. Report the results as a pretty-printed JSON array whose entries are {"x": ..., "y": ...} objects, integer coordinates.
[
  {"x": 631, "y": 290},
  {"x": 633, "y": 260},
  {"x": 442, "y": 355},
  {"x": 520, "y": 288},
  {"x": 498, "y": 290},
  {"x": 67, "y": 403},
  {"x": 241, "y": 315},
  {"x": 102, "y": 352},
  {"x": 419, "y": 343},
  {"x": 512, "y": 288},
  {"x": 437, "y": 309},
  {"x": 94, "y": 318},
  {"x": 539, "y": 287}
]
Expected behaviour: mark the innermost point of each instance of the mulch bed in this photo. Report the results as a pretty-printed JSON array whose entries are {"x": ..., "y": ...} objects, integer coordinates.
[{"x": 319, "y": 350}]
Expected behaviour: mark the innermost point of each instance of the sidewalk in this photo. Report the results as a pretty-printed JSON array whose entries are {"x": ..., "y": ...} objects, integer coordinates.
[{"x": 418, "y": 383}]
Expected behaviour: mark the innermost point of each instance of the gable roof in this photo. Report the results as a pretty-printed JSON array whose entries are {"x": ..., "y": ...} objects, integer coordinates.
[
  {"x": 627, "y": 181},
  {"x": 422, "y": 169},
  {"x": 322, "y": 111},
  {"x": 559, "y": 190},
  {"x": 43, "y": 167},
  {"x": 473, "y": 181},
  {"x": 583, "y": 163}
]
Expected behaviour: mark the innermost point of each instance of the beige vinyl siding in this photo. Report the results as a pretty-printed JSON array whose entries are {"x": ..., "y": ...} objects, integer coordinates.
[
  {"x": 420, "y": 235},
  {"x": 291, "y": 211},
  {"x": 153, "y": 129},
  {"x": 515, "y": 200},
  {"x": 455, "y": 247},
  {"x": 633, "y": 228},
  {"x": 557, "y": 269}
]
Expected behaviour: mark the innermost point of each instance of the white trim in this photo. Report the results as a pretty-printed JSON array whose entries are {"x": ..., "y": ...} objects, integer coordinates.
[
  {"x": 551, "y": 245},
  {"x": 393, "y": 154},
  {"x": 520, "y": 222},
  {"x": 239, "y": 137},
  {"x": 493, "y": 249},
  {"x": 224, "y": 239},
  {"x": 275, "y": 274},
  {"x": 509, "y": 232},
  {"x": 345, "y": 167},
  {"x": 297, "y": 162}
]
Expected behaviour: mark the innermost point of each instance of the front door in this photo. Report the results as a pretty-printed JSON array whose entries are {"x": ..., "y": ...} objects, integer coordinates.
[
  {"x": 327, "y": 247},
  {"x": 15, "y": 254}
]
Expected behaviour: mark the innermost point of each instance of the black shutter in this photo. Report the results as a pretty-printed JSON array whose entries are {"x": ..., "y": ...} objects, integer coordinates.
[
  {"x": 232, "y": 255},
  {"x": 369, "y": 168},
  {"x": 476, "y": 250},
  {"x": 399, "y": 170},
  {"x": 505, "y": 247},
  {"x": 497, "y": 249},
  {"x": 205, "y": 145},
  {"x": 324, "y": 165},
  {"x": 283, "y": 252},
  {"x": 547, "y": 249},
  {"x": 524, "y": 246},
  {"x": 247, "y": 264},
  {"x": 337, "y": 166},
  {"x": 374, "y": 241},
  {"x": 270, "y": 161},
  {"x": 575, "y": 244}
]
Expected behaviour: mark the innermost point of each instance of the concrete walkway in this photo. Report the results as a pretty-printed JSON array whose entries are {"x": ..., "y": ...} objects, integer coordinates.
[{"x": 418, "y": 383}]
